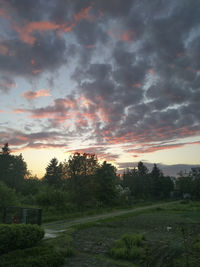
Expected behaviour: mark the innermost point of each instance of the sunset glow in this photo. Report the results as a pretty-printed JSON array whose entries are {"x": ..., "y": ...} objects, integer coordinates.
[{"x": 119, "y": 79}]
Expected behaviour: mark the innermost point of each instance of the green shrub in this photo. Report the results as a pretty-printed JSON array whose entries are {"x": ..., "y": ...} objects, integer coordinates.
[
  {"x": 133, "y": 240},
  {"x": 130, "y": 247},
  {"x": 41, "y": 256},
  {"x": 8, "y": 196},
  {"x": 15, "y": 236},
  {"x": 119, "y": 253}
]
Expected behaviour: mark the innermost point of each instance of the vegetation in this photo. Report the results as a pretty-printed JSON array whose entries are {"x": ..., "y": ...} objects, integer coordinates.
[
  {"x": 19, "y": 236},
  {"x": 82, "y": 185},
  {"x": 130, "y": 247}
]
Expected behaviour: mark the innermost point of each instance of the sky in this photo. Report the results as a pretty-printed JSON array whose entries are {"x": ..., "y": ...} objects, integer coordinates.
[{"x": 118, "y": 78}]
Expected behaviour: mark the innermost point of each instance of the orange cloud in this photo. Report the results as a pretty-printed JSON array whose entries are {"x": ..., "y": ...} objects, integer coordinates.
[
  {"x": 25, "y": 32},
  {"x": 151, "y": 71},
  {"x": 83, "y": 14},
  {"x": 137, "y": 85},
  {"x": 7, "y": 84},
  {"x": 2, "y": 111},
  {"x": 32, "y": 95},
  {"x": 19, "y": 110},
  {"x": 123, "y": 35}
]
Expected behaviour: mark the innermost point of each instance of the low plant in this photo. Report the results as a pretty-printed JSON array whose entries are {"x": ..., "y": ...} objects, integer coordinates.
[
  {"x": 40, "y": 256},
  {"x": 19, "y": 236},
  {"x": 130, "y": 247}
]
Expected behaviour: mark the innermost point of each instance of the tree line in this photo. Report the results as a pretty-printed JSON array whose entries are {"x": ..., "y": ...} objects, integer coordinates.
[{"x": 83, "y": 182}]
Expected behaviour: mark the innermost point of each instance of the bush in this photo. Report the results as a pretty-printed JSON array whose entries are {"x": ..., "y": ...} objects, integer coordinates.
[
  {"x": 52, "y": 197},
  {"x": 18, "y": 236},
  {"x": 7, "y": 196},
  {"x": 41, "y": 256},
  {"x": 130, "y": 247}
]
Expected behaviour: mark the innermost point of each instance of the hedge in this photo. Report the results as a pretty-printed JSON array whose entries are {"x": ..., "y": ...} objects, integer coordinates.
[{"x": 19, "y": 236}]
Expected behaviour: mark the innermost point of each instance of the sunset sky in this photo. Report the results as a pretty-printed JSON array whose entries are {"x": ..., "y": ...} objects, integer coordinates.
[{"x": 118, "y": 78}]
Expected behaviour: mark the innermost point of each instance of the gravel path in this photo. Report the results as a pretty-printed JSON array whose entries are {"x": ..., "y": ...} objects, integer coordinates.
[{"x": 54, "y": 228}]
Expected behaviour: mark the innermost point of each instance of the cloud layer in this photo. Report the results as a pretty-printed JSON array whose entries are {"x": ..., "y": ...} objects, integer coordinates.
[{"x": 135, "y": 65}]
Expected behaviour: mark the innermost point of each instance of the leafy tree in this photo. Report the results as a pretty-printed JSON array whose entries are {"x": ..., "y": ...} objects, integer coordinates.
[
  {"x": 106, "y": 181},
  {"x": 82, "y": 165},
  {"x": 13, "y": 169},
  {"x": 7, "y": 196},
  {"x": 80, "y": 169},
  {"x": 53, "y": 174}
]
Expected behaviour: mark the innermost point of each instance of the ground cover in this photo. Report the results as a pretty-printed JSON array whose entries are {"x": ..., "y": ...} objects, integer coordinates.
[{"x": 171, "y": 233}]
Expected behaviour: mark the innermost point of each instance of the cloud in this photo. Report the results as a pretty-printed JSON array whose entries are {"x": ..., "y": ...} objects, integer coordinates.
[
  {"x": 99, "y": 151},
  {"x": 6, "y": 84},
  {"x": 137, "y": 82},
  {"x": 30, "y": 95}
]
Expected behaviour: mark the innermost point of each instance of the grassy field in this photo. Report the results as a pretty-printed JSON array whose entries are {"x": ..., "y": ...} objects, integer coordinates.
[
  {"x": 171, "y": 239},
  {"x": 172, "y": 236}
]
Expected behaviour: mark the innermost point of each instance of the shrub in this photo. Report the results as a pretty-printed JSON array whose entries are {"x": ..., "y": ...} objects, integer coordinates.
[
  {"x": 7, "y": 196},
  {"x": 17, "y": 236},
  {"x": 52, "y": 197},
  {"x": 130, "y": 247},
  {"x": 41, "y": 256}
]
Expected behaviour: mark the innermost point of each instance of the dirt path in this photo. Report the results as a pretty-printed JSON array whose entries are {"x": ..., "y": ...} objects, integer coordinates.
[{"x": 54, "y": 228}]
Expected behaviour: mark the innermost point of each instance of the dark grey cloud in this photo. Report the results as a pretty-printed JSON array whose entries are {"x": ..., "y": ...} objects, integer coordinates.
[
  {"x": 46, "y": 54},
  {"x": 136, "y": 63},
  {"x": 6, "y": 84}
]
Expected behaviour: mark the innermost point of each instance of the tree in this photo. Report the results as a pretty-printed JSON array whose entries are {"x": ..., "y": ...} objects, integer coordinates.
[
  {"x": 81, "y": 169},
  {"x": 106, "y": 181},
  {"x": 13, "y": 169},
  {"x": 6, "y": 149},
  {"x": 156, "y": 181},
  {"x": 53, "y": 174}
]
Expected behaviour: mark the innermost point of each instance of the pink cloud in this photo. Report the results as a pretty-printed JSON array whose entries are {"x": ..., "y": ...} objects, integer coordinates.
[
  {"x": 26, "y": 32},
  {"x": 3, "y": 49},
  {"x": 123, "y": 35},
  {"x": 30, "y": 95},
  {"x": 83, "y": 14}
]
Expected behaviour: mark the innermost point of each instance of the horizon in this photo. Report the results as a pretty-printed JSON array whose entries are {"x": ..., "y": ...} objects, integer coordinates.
[{"x": 119, "y": 79}]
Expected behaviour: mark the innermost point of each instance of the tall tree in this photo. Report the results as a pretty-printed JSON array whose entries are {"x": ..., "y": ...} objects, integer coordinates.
[
  {"x": 81, "y": 169},
  {"x": 53, "y": 175},
  {"x": 13, "y": 169},
  {"x": 156, "y": 181},
  {"x": 106, "y": 181}
]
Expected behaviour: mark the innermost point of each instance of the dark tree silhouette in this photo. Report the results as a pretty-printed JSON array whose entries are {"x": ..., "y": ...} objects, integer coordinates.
[
  {"x": 13, "y": 169},
  {"x": 53, "y": 174}
]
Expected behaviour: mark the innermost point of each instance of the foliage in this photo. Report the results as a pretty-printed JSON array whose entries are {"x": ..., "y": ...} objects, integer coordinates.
[
  {"x": 18, "y": 236},
  {"x": 52, "y": 197},
  {"x": 143, "y": 184},
  {"x": 7, "y": 196},
  {"x": 40, "y": 256},
  {"x": 188, "y": 184},
  {"x": 13, "y": 169},
  {"x": 130, "y": 247},
  {"x": 106, "y": 180},
  {"x": 53, "y": 174}
]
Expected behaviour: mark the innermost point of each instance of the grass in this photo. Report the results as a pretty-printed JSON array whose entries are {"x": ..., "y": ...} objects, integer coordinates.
[
  {"x": 51, "y": 215},
  {"x": 166, "y": 245},
  {"x": 172, "y": 239}
]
